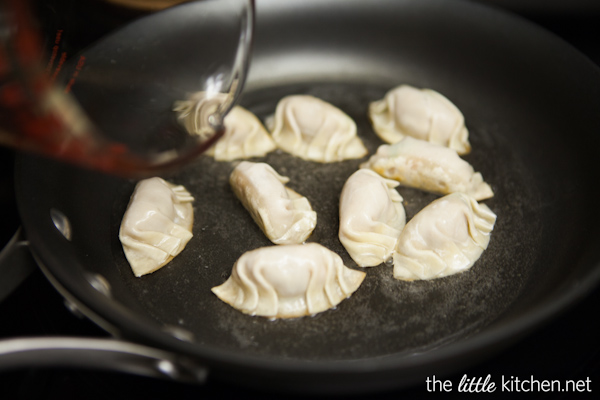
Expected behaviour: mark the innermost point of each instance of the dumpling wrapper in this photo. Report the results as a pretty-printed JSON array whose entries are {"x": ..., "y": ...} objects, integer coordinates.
[
  {"x": 195, "y": 113},
  {"x": 157, "y": 224},
  {"x": 288, "y": 281},
  {"x": 429, "y": 167},
  {"x": 315, "y": 130},
  {"x": 284, "y": 216},
  {"x": 420, "y": 113},
  {"x": 244, "y": 137},
  {"x": 371, "y": 217},
  {"x": 444, "y": 238}
]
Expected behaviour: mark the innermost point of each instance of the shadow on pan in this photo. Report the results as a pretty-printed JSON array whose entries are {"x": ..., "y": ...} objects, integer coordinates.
[{"x": 530, "y": 104}]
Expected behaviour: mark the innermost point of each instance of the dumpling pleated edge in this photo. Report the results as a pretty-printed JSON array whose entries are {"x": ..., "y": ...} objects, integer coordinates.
[
  {"x": 423, "y": 262},
  {"x": 248, "y": 290}
]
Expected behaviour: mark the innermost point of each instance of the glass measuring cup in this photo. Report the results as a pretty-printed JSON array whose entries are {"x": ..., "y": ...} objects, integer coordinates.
[{"x": 145, "y": 92}]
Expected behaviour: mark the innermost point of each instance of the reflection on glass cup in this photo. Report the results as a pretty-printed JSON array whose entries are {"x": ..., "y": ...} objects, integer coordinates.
[{"x": 149, "y": 94}]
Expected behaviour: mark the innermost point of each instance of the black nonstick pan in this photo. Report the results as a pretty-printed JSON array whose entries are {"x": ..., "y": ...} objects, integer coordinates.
[{"x": 531, "y": 106}]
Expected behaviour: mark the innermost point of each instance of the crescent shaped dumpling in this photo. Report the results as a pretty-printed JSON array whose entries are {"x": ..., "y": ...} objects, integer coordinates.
[
  {"x": 421, "y": 113},
  {"x": 244, "y": 137},
  {"x": 429, "y": 167},
  {"x": 194, "y": 114},
  {"x": 157, "y": 224},
  {"x": 371, "y": 217},
  {"x": 288, "y": 281},
  {"x": 445, "y": 237},
  {"x": 284, "y": 216},
  {"x": 315, "y": 130}
]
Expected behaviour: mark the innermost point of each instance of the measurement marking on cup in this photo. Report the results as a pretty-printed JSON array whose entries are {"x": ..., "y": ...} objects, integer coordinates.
[
  {"x": 55, "y": 48},
  {"x": 79, "y": 67},
  {"x": 63, "y": 58}
]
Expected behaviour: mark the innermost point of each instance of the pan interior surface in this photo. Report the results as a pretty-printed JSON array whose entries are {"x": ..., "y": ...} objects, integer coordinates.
[
  {"x": 385, "y": 316},
  {"x": 499, "y": 71}
]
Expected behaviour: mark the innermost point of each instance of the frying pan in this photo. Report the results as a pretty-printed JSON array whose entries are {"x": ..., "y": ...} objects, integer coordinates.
[{"x": 530, "y": 103}]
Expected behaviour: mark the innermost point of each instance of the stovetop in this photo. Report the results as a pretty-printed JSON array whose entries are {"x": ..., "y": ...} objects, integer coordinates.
[{"x": 565, "y": 348}]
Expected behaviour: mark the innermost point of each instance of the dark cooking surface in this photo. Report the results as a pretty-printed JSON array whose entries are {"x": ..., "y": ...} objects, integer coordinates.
[
  {"x": 566, "y": 349},
  {"x": 366, "y": 324}
]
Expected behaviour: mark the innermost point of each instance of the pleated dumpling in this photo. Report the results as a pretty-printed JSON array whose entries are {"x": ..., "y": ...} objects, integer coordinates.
[
  {"x": 288, "y": 281},
  {"x": 371, "y": 217},
  {"x": 315, "y": 130},
  {"x": 244, "y": 137},
  {"x": 156, "y": 225},
  {"x": 421, "y": 113},
  {"x": 428, "y": 166},
  {"x": 445, "y": 237},
  {"x": 285, "y": 216},
  {"x": 195, "y": 113}
]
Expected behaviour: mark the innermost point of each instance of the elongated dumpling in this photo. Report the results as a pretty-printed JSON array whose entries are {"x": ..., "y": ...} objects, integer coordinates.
[
  {"x": 244, "y": 137},
  {"x": 428, "y": 166},
  {"x": 288, "y": 281},
  {"x": 445, "y": 237},
  {"x": 285, "y": 216},
  {"x": 371, "y": 217},
  {"x": 315, "y": 130},
  {"x": 157, "y": 224},
  {"x": 421, "y": 113}
]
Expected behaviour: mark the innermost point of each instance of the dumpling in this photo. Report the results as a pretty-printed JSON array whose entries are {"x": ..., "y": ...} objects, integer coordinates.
[
  {"x": 284, "y": 216},
  {"x": 314, "y": 130},
  {"x": 244, "y": 137},
  {"x": 428, "y": 166},
  {"x": 288, "y": 281},
  {"x": 421, "y": 113},
  {"x": 156, "y": 225},
  {"x": 371, "y": 217},
  {"x": 195, "y": 113},
  {"x": 445, "y": 237}
]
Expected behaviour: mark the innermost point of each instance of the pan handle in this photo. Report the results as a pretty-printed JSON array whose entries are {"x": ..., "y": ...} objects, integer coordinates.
[
  {"x": 102, "y": 354},
  {"x": 16, "y": 264}
]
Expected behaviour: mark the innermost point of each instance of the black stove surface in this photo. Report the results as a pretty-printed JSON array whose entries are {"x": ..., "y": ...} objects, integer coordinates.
[{"x": 567, "y": 348}]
